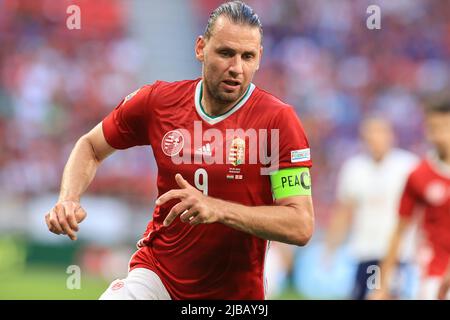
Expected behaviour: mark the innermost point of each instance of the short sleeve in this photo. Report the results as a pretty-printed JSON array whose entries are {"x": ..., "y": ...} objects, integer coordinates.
[
  {"x": 409, "y": 198},
  {"x": 127, "y": 125},
  {"x": 293, "y": 144}
]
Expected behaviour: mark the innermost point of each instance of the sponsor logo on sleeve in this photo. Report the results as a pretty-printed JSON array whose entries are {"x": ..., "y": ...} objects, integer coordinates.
[{"x": 301, "y": 155}]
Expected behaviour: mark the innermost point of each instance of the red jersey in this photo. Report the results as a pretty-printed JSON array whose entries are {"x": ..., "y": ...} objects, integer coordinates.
[
  {"x": 428, "y": 186},
  {"x": 207, "y": 261}
]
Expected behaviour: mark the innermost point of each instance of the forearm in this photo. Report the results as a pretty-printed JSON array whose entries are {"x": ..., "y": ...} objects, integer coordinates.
[
  {"x": 339, "y": 227},
  {"x": 79, "y": 171},
  {"x": 279, "y": 223},
  {"x": 389, "y": 263},
  {"x": 289, "y": 220}
]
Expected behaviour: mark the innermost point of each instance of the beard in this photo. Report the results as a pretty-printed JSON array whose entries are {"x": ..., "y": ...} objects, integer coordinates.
[{"x": 220, "y": 95}]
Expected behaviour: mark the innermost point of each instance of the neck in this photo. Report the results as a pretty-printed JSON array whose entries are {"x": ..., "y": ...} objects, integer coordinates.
[
  {"x": 213, "y": 107},
  {"x": 378, "y": 157},
  {"x": 444, "y": 156}
]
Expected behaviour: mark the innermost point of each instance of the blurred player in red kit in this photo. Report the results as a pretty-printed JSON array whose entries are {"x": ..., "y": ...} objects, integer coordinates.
[
  {"x": 427, "y": 189},
  {"x": 233, "y": 172}
]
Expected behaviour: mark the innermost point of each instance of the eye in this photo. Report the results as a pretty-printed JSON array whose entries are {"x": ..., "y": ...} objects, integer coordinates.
[
  {"x": 248, "y": 56},
  {"x": 226, "y": 53}
]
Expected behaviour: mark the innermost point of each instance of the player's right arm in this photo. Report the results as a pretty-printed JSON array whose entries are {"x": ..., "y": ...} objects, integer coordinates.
[
  {"x": 126, "y": 126},
  {"x": 339, "y": 226},
  {"x": 389, "y": 263},
  {"x": 342, "y": 218},
  {"x": 87, "y": 155}
]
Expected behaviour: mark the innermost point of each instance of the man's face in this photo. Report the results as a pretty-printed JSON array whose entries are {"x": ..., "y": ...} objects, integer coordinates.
[
  {"x": 438, "y": 130},
  {"x": 230, "y": 59},
  {"x": 378, "y": 137}
]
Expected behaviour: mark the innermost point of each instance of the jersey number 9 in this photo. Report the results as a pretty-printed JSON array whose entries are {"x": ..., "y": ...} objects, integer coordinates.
[{"x": 201, "y": 180}]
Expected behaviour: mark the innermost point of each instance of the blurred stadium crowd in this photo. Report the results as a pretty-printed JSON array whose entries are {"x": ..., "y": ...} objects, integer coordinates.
[{"x": 56, "y": 84}]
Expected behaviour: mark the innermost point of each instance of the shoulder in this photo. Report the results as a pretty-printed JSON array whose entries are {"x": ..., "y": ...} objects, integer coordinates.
[
  {"x": 357, "y": 161},
  {"x": 354, "y": 165},
  {"x": 267, "y": 100},
  {"x": 173, "y": 88},
  {"x": 270, "y": 103},
  {"x": 416, "y": 178},
  {"x": 163, "y": 95},
  {"x": 274, "y": 112},
  {"x": 402, "y": 162},
  {"x": 420, "y": 171},
  {"x": 404, "y": 156}
]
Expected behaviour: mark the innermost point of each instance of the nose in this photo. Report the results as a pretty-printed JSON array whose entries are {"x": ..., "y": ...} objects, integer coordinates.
[{"x": 236, "y": 66}]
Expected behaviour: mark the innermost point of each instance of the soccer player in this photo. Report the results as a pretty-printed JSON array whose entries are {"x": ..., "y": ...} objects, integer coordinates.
[
  {"x": 427, "y": 190},
  {"x": 368, "y": 190},
  {"x": 217, "y": 203}
]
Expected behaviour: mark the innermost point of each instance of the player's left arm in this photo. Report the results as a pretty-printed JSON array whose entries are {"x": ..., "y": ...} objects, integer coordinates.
[{"x": 290, "y": 219}]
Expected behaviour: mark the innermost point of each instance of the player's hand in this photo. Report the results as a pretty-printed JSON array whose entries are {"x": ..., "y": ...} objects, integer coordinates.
[
  {"x": 443, "y": 289},
  {"x": 64, "y": 218},
  {"x": 379, "y": 294},
  {"x": 194, "y": 207}
]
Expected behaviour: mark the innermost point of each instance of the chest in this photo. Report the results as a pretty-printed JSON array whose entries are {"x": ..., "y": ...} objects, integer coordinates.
[
  {"x": 228, "y": 157},
  {"x": 378, "y": 184}
]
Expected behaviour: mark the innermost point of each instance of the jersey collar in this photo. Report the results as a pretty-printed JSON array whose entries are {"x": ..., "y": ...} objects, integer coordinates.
[
  {"x": 216, "y": 119},
  {"x": 438, "y": 165}
]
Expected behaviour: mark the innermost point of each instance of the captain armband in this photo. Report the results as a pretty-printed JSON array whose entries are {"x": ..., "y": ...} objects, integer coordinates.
[{"x": 291, "y": 182}]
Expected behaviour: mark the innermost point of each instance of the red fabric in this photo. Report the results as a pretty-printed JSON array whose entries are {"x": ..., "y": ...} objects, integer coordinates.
[
  {"x": 430, "y": 190},
  {"x": 209, "y": 261}
]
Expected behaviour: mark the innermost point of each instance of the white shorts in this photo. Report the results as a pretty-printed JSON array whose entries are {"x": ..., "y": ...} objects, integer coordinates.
[
  {"x": 140, "y": 284},
  {"x": 429, "y": 288}
]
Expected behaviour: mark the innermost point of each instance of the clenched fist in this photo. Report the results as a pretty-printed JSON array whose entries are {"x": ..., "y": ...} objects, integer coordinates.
[{"x": 64, "y": 218}]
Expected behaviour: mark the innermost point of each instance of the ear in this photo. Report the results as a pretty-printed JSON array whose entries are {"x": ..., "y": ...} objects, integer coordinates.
[
  {"x": 261, "y": 50},
  {"x": 199, "y": 47}
]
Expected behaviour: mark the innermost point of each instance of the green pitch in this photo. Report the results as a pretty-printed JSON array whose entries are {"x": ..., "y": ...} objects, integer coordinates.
[{"x": 47, "y": 283}]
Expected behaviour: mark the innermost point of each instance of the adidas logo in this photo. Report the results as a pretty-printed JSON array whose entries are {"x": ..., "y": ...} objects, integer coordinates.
[{"x": 204, "y": 150}]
